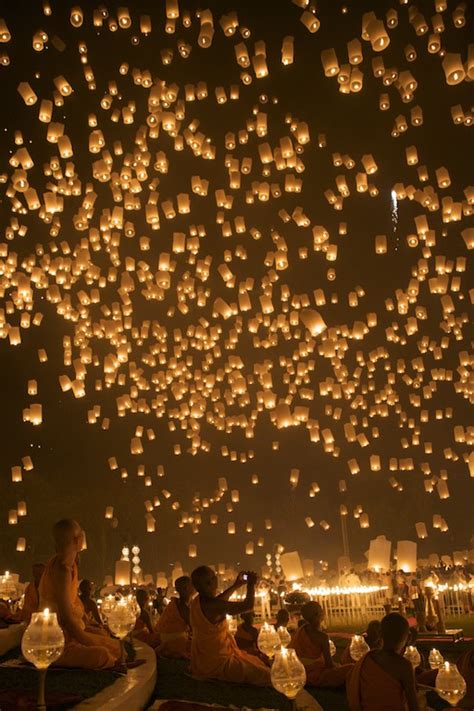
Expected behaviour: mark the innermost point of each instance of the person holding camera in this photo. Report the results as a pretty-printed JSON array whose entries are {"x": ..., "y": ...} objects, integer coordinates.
[{"x": 214, "y": 652}]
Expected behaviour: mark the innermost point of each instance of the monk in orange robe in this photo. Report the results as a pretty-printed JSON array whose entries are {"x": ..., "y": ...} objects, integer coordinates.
[
  {"x": 58, "y": 590},
  {"x": 312, "y": 647},
  {"x": 31, "y": 596},
  {"x": 173, "y": 626},
  {"x": 383, "y": 679},
  {"x": 214, "y": 652},
  {"x": 144, "y": 630},
  {"x": 465, "y": 664},
  {"x": 246, "y": 635},
  {"x": 86, "y": 589}
]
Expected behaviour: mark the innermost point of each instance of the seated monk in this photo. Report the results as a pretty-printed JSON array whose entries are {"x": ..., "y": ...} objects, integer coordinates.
[
  {"x": 58, "y": 590},
  {"x": 173, "y": 626},
  {"x": 6, "y": 615},
  {"x": 465, "y": 664},
  {"x": 214, "y": 651},
  {"x": 31, "y": 596},
  {"x": 373, "y": 637},
  {"x": 282, "y": 619},
  {"x": 312, "y": 647},
  {"x": 86, "y": 589},
  {"x": 143, "y": 629},
  {"x": 383, "y": 679},
  {"x": 246, "y": 634}
]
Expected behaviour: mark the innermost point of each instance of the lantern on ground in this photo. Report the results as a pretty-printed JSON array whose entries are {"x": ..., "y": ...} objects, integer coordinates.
[
  {"x": 413, "y": 656},
  {"x": 121, "y": 618},
  {"x": 450, "y": 685},
  {"x": 42, "y": 644},
  {"x": 288, "y": 674},
  {"x": 435, "y": 659},
  {"x": 268, "y": 640},
  {"x": 358, "y": 647}
]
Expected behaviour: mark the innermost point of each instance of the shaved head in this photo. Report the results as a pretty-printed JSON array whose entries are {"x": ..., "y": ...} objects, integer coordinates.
[
  {"x": 183, "y": 585},
  {"x": 311, "y": 611},
  {"x": 66, "y": 532},
  {"x": 204, "y": 580},
  {"x": 395, "y": 630}
]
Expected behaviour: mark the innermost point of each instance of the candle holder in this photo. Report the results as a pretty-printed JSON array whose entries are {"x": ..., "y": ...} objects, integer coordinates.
[
  {"x": 121, "y": 618},
  {"x": 288, "y": 674},
  {"x": 450, "y": 685},
  {"x": 413, "y": 656},
  {"x": 268, "y": 640},
  {"x": 358, "y": 648},
  {"x": 435, "y": 659},
  {"x": 284, "y": 635},
  {"x": 42, "y": 644}
]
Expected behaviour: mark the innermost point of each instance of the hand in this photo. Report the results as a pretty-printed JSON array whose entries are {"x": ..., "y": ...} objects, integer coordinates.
[
  {"x": 252, "y": 578},
  {"x": 240, "y": 581}
]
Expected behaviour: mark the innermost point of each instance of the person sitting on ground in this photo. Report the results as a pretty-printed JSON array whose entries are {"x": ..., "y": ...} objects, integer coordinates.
[
  {"x": 383, "y": 679},
  {"x": 86, "y": 590},
  {"x": 144, "y": 630},
  {"x": 246, "y": 634},
  {"x": 465, "y": 664},
  {"x": 173, "y": 626},
  {"x": 311, "y": 645},
  {"x": 282, "y": 619},
  {"x": 58, "y": 591},
  {"x": 31, "y": 597},
  {"x": 214, "y": 651},
  {"x": 373, "y": 637}
]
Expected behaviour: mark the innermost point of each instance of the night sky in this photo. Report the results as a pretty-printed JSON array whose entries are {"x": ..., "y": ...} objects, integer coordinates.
[{"x": 71, "y": 474}]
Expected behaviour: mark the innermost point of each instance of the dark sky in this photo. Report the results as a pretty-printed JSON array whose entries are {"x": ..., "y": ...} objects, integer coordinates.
[{"x": 71, "y": 476}]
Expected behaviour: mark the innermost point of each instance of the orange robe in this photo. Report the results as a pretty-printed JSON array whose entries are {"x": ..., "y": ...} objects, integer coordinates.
[
  {"x": 102, "y": 651},
  {"x": 215, "y": 655},
  {"x": 174, "y": 633},
  {"x": 317, "y": 674},
  {"x": 30, "y": 603},
  {"x": 142, "y": 633},
  {"x": 465, "y": 664},
  {"x": 371, "y": 688},
  {"x": 246, "y": 641}
]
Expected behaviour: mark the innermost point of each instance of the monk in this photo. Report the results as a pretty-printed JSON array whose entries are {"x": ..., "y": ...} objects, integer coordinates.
[
  {"x": 58, "y": 590},
  {"x": 31, "y": 596},
  {"x": 373, "y": 637},
  {"x": 282, "y": 619},
  {"x": 86, "y": 588},
  {"x": 144, "y": 630},
  {"x": 383, "y": 679},
  {"x": 214, "y": 651},
  {"x": 465, "y": 664},
  {"x": 246, "y": 634},
  {"x": 311, "y": 645},
  {"x": 173, "y": 626}
]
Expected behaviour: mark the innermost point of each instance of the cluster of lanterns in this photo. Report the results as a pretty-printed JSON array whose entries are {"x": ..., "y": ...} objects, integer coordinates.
[{"x": 128, "y": 233}]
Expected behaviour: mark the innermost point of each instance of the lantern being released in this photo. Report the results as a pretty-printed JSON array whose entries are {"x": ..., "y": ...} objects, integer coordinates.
[{"x": 193, "y": 272}]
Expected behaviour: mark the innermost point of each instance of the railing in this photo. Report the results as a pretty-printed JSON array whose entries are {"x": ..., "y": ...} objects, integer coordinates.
[{"x": 352, "y": 607}]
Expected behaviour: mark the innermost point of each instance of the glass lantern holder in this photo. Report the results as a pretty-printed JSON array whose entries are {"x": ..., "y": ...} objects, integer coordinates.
[{"x": 42, "y": 645}]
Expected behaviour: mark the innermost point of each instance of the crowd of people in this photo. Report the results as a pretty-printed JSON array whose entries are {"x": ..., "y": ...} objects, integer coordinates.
[{"x": 194, "y": 626}]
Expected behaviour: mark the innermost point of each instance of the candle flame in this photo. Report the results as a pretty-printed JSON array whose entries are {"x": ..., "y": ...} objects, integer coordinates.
[{"x": 46, "y": 613}]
